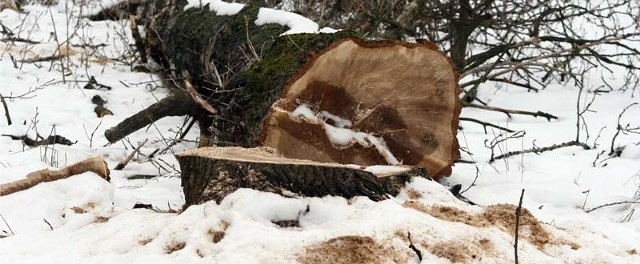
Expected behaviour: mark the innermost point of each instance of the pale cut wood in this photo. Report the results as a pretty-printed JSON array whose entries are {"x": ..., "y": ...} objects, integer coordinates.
[
  {"x": 214, "y": 172},
  {"x": 405, "y": 93},
  {"x": 96, "y": 165}
]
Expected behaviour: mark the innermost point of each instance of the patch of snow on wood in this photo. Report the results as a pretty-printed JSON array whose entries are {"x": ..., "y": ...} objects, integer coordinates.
[
  {"x": 343, "y": 137},
  {"x": 296, "y": 23},
  {"x": 384, "y": 169},
  {"x": 220, "y": 7}
]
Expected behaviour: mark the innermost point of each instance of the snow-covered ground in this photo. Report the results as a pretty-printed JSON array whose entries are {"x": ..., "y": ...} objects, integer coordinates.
[{"x": 84, "y": 219}]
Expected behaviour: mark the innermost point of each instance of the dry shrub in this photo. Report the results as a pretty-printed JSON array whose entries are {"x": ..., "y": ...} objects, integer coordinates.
[{"x": 350, "y": 250}]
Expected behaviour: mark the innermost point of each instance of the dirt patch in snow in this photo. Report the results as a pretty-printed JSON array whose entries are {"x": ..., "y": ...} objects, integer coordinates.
[
  {"x": 351, "y": 250},
  {"x": 217, "y": 235},
  {"x": 499, "y": 215},
  {"x": 174, "y": 246}
]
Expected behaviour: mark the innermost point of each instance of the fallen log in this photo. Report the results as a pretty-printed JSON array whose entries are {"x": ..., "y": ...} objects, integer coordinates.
[
  {"x": 96, "y": 165},
  {"x": 333, "y": 98},
  {"x": 211, "y": 173}
]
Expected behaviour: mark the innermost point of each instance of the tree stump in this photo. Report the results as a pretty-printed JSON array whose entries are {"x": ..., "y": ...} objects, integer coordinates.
[{"x": 211, "y": 173}]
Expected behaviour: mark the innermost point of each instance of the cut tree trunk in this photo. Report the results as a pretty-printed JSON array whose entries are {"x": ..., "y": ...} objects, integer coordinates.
[
  {"x": 334, "y": 98},
  {"x": 212, "y": 173}
]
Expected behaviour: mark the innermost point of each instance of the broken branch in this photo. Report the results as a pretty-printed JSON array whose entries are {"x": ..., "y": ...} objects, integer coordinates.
[
  {"x": 173, "y": 105},
  {"x": 485, "y": 124},
  {"x": 55, "y": 139},
  {"x": 124, "y": 162},
  {"x": 96, "y": 165}
]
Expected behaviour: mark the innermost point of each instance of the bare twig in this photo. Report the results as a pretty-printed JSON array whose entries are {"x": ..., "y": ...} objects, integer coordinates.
[
  {"x": 41, "y": 59},
  {"x": 54, "y": 139},
  {"x": 509, "y": 112},
  {"x": 7, "y": 224},
  {"x": 474, "y": 181},
  {"x": 619, "y": 128},
  {"x": 485, "y": 124},
  {"x": 47, "y": 222},
  {"x": 540, "y": 150},
  {"x": 413, "y": 247},
  {"x": 515, "y": 244},
  {"x": 124, "y": 162},
  {"x": 612, "y": 204},
  {"x": 6, "y": 109}
]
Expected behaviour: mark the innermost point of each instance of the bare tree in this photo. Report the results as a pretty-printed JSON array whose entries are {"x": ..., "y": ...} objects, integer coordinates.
[{"x": 524, "y": 43}]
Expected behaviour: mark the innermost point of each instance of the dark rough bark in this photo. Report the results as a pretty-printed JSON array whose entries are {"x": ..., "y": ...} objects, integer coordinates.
[
  {"x": 218, "y": 55},
  {"x": 212, "y": 173}
]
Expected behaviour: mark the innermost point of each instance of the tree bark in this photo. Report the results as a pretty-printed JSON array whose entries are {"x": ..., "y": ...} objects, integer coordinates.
[{"x": 212, "y": 173}]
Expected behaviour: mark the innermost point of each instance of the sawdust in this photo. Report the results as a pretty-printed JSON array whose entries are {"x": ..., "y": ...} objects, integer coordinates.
[
  {"x": 350, "y": 250},
  {"x": 413, "y": 194},
  {"x": 145, "y": 241},
  {"x": 217, "y": 235},
  {"x": 499, "y": 215},
  {"x": 454, "y": 251},
  {"x": 174, "y": 246}
]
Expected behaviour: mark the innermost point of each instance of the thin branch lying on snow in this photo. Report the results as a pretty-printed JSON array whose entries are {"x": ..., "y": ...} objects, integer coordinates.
[
  {"x": 611, "y": 204},
  {"x": 96, "y": 165},
  {"x": 124, "y": 162},
  {"x": 495, "y": 142},
  {"x": 7, "y": 224},
  {"x": 6, "y": 109},
  {"x": 538, "y": 150},
  {"x": 509, "y": 112},
  {"x": 485, "y": 124},
  {"x": 50, "y": 140}
]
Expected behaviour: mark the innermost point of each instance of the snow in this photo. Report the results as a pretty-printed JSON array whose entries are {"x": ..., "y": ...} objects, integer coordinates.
[
  {"x": 220, "y": 7},
  {"x": 295, "y": 22},
  {"x": 93, "y": 222},
  {"x": 340, "y": 136}
]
